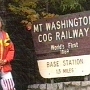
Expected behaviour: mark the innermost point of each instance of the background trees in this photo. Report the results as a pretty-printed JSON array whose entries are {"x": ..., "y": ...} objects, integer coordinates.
[
  {"x": 20, "y": 13},
  {"x": 32, "y": 10}
]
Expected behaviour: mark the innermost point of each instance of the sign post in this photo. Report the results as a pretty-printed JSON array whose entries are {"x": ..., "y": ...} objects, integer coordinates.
[{"x": 62, "y": 45}]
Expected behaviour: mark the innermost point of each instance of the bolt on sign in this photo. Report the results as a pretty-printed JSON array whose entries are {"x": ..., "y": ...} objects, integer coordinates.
[{"x": 62, "y": 45}]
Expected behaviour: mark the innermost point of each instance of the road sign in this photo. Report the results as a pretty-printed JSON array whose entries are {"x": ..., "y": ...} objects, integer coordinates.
[{"x": 61, "y": 43}]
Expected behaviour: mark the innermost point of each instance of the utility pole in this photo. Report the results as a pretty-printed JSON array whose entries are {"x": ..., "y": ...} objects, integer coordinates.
[
  {"x": 47, "y": 6},
  {"x": 3, "y": 8}
]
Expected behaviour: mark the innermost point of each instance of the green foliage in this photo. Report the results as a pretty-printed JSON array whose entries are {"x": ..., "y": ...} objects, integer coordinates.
[
  {"x": 32, "y": 10},
  {"x": 25, "y": 9},
  {"x": 71, "y": 5},
  {"x": 67, "y": 6},
  {"x": 49, "y": 15}
]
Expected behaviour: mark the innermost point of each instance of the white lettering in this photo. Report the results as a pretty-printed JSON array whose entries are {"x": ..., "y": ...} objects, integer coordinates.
[
  {"x": 45, "y": 37},
  {"x": 38, "y": 28}
]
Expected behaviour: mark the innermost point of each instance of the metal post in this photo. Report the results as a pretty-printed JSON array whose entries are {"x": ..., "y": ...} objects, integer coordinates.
[
  {"x": 47, "y": 6},
  {"x": 3, "y": 8},
  {"x": 52, "y": 81}
]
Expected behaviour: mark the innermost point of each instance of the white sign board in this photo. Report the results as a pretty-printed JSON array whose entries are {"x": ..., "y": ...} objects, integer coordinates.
[{"x": 64, "y": 67}]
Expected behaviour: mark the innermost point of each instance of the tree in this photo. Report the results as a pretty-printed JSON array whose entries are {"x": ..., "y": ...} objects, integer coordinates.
[{"x": 31, "y": 10}]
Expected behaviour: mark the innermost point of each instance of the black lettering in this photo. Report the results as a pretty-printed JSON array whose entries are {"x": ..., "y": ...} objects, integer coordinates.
[
  {"x": 69, "y": 70},
  {"x": 53, "y": 64}
]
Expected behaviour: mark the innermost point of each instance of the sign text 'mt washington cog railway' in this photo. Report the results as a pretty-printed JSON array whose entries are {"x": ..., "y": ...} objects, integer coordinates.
[{"x": 63, "y": 24}]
